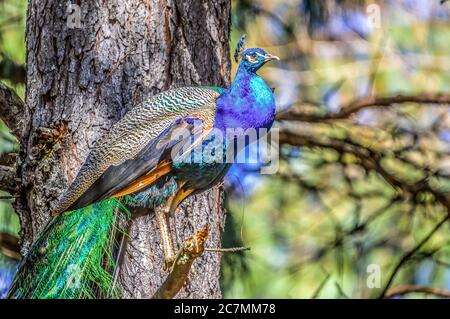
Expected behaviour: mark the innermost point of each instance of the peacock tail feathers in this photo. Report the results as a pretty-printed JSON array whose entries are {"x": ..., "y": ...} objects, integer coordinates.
[{"x": 73, "y": 256}]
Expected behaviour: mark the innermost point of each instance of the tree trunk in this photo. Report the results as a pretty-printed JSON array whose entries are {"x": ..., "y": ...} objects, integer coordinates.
[{"x": 82, "y": 76}]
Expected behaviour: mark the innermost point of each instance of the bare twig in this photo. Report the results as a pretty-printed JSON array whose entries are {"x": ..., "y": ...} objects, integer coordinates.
[
  {"x": 369, "y": 159},
  {"x": 442, "y": 263},
  {"x": 9, "y": 69},
  {"x": 331, "y": 245},
  {"x": 8, "y": 159},
  {"x": 341, "y": 291},
  {"x": 11, "y": 110},
  {"x": 9, "y": 246},
  {"x": 8, "y": 181},
  {"x": 192, "y": 248},
  {"x": 411, "y": 253},
  {"x": 227, "y": 250},
  {"x": 362, "y": 103},
  {"x": 8, "y": 197},
  {"x": 319, "y": 289},
  {"x": 406, "y": 289}
]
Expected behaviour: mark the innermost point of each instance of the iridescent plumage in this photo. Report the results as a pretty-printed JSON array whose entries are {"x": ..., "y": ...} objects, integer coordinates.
[
  {"x": 71, "y": 257},
  {"x": 133, "y": 165}
]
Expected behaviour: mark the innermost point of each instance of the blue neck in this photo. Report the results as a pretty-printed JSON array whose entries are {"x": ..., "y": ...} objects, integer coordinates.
[
  {"x": 249, "y": 103},
  {"x": 242, "y": 78}
]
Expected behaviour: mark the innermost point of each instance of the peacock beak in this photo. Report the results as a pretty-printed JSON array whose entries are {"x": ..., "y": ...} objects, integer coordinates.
[{"x": 269, "y": 57}]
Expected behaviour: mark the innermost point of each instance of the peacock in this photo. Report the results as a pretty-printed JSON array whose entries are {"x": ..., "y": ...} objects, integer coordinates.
[{"x": 143, "y": 161}]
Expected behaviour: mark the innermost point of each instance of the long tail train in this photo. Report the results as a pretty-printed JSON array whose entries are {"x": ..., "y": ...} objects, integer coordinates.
[{"x": 72, "y": 257}]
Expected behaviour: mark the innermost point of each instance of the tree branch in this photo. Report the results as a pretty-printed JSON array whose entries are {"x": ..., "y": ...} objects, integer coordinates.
[
  {"x": 321, "y": 286},
  {"x": 227, "y": 250},
  {"x": 411, "y": 253},
  {"x": 11, "y": 70},
  {"x": 359, "y": 104},
  {"x": 8, "y": 181},
  {"x": 9, "y": 246},
  {"x": 11, "y": 110},
  {"x": 406, "y": 289},
  {"x": 369, "y": 159},
  {"x": 192, "y": 248},
  {"x": 8, "y": 159}
]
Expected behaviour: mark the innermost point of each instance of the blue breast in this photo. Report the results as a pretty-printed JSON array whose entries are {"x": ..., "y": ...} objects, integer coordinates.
[{"x": 249, "y": 103}]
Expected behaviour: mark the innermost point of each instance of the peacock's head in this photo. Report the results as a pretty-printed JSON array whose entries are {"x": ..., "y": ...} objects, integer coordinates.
[{"x": 254, "y": 58}]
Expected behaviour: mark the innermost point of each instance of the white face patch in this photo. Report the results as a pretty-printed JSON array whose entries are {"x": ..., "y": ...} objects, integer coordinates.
[{"x": 252, "y": 58}]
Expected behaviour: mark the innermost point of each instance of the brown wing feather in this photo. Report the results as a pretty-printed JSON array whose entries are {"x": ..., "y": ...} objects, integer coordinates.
[{"x": 142, "y": 182}]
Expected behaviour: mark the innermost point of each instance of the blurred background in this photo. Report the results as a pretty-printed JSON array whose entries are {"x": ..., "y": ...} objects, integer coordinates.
[{"x": 364, "y": 173}]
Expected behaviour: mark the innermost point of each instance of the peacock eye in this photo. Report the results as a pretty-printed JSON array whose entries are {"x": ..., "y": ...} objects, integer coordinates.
[{"x": 252, "y": 58}]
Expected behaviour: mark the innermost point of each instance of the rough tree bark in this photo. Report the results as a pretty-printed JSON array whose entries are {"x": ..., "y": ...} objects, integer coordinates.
[{"x": 83, "y": 78}]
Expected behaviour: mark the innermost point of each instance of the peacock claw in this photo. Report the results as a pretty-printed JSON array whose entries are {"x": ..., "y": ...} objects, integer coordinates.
[{"x": 162, "y": 218}]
